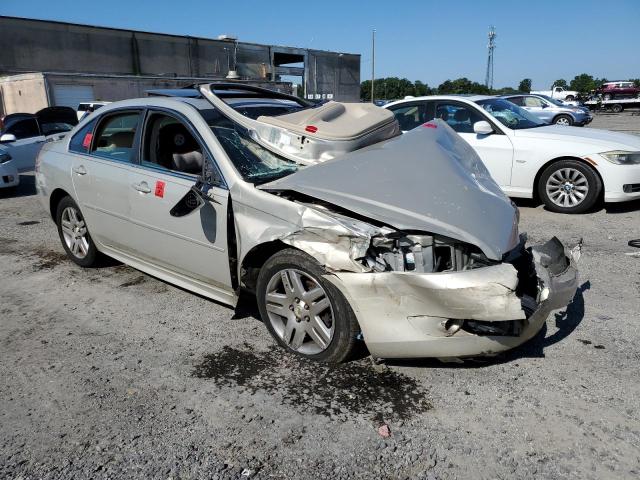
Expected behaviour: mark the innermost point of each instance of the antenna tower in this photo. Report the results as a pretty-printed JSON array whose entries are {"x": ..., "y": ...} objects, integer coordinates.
[{"x": 488, "y": 79}]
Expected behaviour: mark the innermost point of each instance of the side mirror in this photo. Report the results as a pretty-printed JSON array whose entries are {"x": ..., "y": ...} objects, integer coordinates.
[
  {"x": 483, "y": 128},
  {"x": 544, "y": 105},
  {"x": 8, "y": 138},
  {"x": 193, "y": 201}
]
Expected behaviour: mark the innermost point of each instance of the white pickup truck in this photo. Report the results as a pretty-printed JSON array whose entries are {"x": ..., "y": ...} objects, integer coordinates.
[{"x": 558, "y": 93}]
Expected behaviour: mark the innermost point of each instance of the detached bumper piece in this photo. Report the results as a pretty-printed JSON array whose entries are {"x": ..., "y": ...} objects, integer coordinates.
[{"x": 468, "y": 313}]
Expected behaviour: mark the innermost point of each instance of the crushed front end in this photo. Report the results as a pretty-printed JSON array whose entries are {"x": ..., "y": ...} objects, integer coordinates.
[{"x": 429, "y": 296}]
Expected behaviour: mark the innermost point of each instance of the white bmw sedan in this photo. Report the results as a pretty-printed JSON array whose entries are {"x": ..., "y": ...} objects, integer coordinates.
[{"x": 570, "y": 169}]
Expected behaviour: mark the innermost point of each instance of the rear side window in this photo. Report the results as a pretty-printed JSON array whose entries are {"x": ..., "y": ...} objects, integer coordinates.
[
  {"x": 115, "y": 137},
  {"x": 410, "y": 116},
  {"x": 81, "y": 141}
]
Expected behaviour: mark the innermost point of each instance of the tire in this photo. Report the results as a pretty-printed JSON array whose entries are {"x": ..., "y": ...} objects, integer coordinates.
[
  {"x": 565, "y": 120},
  {"x": 580, "y": 177},
  {"x": 294, "y": 324},
  {"x": 75, "y": 238},
  {"x": 570, "y": 98},
  {"x": 616, "y": 108}
]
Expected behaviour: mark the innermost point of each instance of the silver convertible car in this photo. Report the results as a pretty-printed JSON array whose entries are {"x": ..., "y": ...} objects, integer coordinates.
[{"x": 344, "y": 229}]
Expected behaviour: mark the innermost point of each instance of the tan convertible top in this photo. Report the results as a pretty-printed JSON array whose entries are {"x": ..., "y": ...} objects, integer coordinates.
[{"x": 333, "y": 120}]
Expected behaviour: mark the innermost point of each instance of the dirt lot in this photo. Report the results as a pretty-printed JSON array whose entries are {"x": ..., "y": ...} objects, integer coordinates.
[{"x": 110, "y": 373}]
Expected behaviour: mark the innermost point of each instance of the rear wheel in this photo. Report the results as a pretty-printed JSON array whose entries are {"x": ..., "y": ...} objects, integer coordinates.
[
  {"x": 570, "y": 98},
  {"x": 74, "y": 234},
  {"x": 304, "y": 312},
  {"x": 569, "y": 186},
  {"x": 565, "y": 120},
  {"x": 616, "y": 108}
]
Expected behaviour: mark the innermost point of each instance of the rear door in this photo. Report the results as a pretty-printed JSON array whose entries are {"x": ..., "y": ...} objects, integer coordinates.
[
  {"x": 495, "y": 150},
  {"x": 171, "y": 160},
  {"x": 104, "y": 153}
]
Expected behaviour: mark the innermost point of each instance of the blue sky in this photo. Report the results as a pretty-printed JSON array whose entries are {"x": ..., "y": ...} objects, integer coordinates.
[{"x": 421, "y": 40}]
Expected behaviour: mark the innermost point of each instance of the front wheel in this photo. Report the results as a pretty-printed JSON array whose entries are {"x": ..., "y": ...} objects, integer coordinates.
[
  {"x": 569, "y": 186},
  {"x": 303, "y": 311},
  {"x": 570, "y": 98},
  {"x": 74, "y": 234},
  {"x": 565, "y": 120},
  {"x": 616, "y": 108}
]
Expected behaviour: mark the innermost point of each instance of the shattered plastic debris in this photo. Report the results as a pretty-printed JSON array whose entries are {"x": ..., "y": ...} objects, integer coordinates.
[{"x": 384, "y": 431}]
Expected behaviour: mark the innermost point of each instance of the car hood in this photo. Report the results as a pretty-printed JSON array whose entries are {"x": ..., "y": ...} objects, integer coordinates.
[
  {"x": 603, "y": 139},
  {"x": 427, "y": 180}
]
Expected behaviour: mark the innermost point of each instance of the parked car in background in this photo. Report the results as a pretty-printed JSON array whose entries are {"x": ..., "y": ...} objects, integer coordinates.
[
  {"x": 611, "y": 90},
  {"x": 85, "y": 108},
  {"x": 23, "y": 134},
  {"x": 570, "y": 169},
  {"x": 559, "y": 93},
  {"x": 217, "y": 198},
  {"x": 552, "y": 111},
  {"x": 9, "y": 176}
]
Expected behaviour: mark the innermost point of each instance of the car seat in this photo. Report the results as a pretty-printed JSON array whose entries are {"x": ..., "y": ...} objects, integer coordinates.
[{"x": 178, "y": 150}]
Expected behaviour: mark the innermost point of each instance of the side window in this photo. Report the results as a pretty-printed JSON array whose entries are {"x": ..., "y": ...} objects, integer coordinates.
[
  {"x": 168, "y": 144},
  {"x": 24, "y": 129},
  {"x": 532, "y": 102},
  {"x": 115, "y": 137},
  {"x": 410, "y": 116},
  {"x": 517, "y": 100},
  {"x": 459, "y": 117},
  {"x": 81, "y": 141}
]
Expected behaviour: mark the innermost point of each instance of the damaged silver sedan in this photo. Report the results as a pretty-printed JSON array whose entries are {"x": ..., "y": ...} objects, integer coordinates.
[{"x": 342, "y": 228}]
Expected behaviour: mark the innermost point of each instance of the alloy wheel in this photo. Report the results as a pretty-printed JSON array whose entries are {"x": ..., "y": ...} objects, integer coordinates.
[
  {"x": 567, "y": 187},
  {"x": 563, "y": 121},
  {"x": 300, "y": 311},
  {"x": 74, "y": 232}
]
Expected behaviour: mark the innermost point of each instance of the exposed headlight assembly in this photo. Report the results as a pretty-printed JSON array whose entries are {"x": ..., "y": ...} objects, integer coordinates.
[
  {"x": 622, "y": 157},
  {"x": 4, "y": 157}
]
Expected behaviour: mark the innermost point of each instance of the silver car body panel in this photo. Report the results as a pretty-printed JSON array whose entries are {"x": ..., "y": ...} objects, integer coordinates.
[
  {"x": 401, "y": 313},
  {"x": 427, "y": 180}
]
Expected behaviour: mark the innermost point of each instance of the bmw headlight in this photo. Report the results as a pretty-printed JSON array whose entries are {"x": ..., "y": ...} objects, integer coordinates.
[
  {"x": 622, "y": 157},
  {"x": 4, "y": 157}
]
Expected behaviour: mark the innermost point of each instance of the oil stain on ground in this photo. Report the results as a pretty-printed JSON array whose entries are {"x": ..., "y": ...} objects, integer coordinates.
[
  {"x": 330, "y": 390},
  {"x": 47, "y": 259}
]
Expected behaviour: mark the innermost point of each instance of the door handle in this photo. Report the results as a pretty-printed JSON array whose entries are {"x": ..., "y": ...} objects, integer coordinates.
[
  {"x": 142, "y": 187},
  {"x": 80, "y": 170}
]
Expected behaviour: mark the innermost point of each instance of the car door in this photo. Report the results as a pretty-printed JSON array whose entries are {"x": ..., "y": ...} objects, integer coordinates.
[
  {"x": 104, "y": 152},
  {"x": 538, "y": 107},
  {"x": 495, "y": 150},
  {"x": 28, "y": 142},
  {"x": 172, "y": 156}
]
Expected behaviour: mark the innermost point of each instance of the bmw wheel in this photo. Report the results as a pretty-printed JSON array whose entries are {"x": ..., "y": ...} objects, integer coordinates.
[
  {"x": 564, "y": 120},
  {"x": 569, "y": 186},
  {"x": 304, "y": 312},
  {"x": 74, "y": 234}
]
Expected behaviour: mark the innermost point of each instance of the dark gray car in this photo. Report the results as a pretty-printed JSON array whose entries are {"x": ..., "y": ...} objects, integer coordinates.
[{"x": 551, "y": 110}]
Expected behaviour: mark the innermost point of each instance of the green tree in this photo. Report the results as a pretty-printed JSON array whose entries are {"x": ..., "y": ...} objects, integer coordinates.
[
  {"x": 462, "y": 85},
  {"x": 561, "y": 83},
  {"x": 583, "y": 83},
  {"x": 525, "y": 85}
]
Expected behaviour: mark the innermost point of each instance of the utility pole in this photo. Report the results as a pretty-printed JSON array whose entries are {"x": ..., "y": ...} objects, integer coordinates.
[
  {"x": 488, "y": 79},
  {"x": 373, "y": 62}
]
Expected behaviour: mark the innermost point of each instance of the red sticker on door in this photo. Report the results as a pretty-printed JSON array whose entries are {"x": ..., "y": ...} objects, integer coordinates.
[
  {"x": 86, "y": 143},
  {"x": 159, "y": 189}
]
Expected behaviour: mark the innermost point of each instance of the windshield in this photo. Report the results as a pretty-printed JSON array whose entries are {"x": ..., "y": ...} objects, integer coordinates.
[
  {"x": 509, "y": 114},
  {"x": 553, "y": 100},
  {"x": 255, "y": 163}
]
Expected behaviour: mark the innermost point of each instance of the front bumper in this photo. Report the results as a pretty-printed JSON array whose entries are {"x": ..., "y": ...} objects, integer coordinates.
[
  {"x": 620, "y": 182},
  {"x": 403, "y": 314}
]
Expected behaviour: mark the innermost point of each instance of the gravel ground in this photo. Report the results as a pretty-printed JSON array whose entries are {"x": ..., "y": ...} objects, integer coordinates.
[{"x": 110, "y": 373}]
